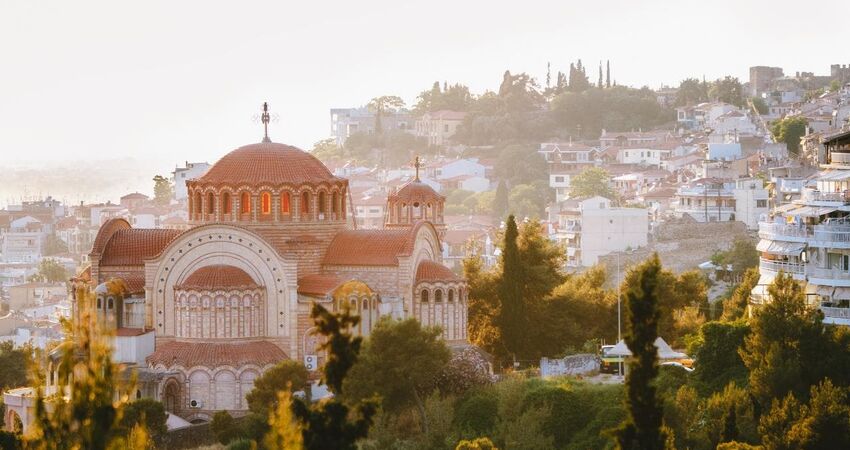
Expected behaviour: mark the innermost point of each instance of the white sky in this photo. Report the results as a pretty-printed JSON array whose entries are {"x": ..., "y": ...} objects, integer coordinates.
[{"x": 180, "y": 80}]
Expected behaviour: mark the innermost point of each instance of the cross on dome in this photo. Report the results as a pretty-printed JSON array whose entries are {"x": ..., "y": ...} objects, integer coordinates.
[
  {"x": 266, "y": 118},
  {"x": 417, "y": 164}
]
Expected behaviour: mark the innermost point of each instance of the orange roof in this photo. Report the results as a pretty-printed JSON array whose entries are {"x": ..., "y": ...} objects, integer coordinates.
[
  {"x": 218, "y": 277},
  {"x": 267, "y": 163},
  {"x": 416, "y": 191},
  {"x": 193, "y": 354},
  {"x": 135, "y": 283},
  {"x": 369, "y": 247},
  {"x": 434, "y": 271},
  {"x": 129, "y": 332},
  {"x": 319, "y": 284},
  {"x": 132, "y": 246}
]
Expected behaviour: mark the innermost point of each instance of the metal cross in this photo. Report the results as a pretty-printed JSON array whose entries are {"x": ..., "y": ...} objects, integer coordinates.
[
  {"x": 417, "y": 164},
  {"x": 266, "y": 118}
]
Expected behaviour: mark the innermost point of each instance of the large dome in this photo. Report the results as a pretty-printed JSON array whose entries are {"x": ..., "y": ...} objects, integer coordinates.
[{"x": 267, "y": 163}]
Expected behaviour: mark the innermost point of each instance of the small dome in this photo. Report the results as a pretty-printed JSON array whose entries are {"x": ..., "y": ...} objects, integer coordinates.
[
  {"x": 434, "y": 271},
  {"x": 219, "y": 277},
  {"x": 267, "y": 163},
  {"x": 416, "y": 191}
]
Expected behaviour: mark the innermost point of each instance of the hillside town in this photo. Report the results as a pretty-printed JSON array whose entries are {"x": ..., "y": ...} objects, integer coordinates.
[{"x": 413, "y": 210}]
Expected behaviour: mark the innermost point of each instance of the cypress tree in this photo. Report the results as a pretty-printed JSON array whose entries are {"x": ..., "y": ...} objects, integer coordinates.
[
  {"x": 500, "y": 203},
  {"x": 599, "y": 83},
  {"x": 730, "y": 426},
  {"x": 608, "y": 73},
  {"x": 642, "y": 428},
  {"x": 511, "y": 318}
]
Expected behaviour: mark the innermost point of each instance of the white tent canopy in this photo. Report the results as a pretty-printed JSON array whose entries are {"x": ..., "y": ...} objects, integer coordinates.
[{"x": 664, "y": 350}]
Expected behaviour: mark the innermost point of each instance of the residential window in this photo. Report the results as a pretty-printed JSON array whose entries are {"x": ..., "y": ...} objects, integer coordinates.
[
  {"x": 559, "y": 179},
  {"x": 761, "y": 203}
]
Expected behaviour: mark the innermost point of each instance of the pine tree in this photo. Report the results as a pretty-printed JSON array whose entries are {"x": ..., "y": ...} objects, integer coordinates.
[
  {"x": 642, "y": 428},
  {"x": 548, "y": 75},
  {"x": 599, "y": 83},
  {"x": 730, "y": 426},
  {"x": 608, "y": 73},
  {"x": 511, "y": 319},
  {"x": 500, "y": 203}
]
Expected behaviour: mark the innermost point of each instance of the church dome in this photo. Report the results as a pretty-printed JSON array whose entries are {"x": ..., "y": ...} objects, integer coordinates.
[
  {"x": 217, "y": 277},
  {"x": 267, "y": 163},
  {"x": 416, "y": 191}
]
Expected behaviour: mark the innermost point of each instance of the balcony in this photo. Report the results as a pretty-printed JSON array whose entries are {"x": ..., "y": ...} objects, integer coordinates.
[
  {"x": 831, "y": 236},
  {"x": 814, "y": 196},
  {"x": 836, "y": 313},
  {"x": 784, "y": 232},
  {"x": 828, "y": 277},
  {"x": 796, "y": 270}
]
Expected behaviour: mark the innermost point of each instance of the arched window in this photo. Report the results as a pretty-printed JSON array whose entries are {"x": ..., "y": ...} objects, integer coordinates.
[
  {"x": 266, "y": 203},
  {"x": 110, "y": 303},
  {"x": 245, "y": 203},
  {"x": 198, "y": 205},
  {"x": 322, "y": 205},
  {"x": 451, "y": 295},
  {"x": 335, "y": 202},
  {"x": 438, "y": 295},
  {"x": 305, "y": 203},
  {"x": 99, "y": 303},
  {"x": 284, "y": 202},
  {"x": 226, "y": 203},
  {"x": 210, "y": 203},
  {"x": 138, "y": 394},
  {"x": 424, "y": 296}
]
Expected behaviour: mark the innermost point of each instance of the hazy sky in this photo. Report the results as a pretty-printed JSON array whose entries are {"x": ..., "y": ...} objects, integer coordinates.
[{"x": 179, "y": 80}]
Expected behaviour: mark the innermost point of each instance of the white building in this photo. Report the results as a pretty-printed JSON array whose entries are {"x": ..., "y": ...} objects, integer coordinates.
[
  {"x": 439, "y": 126},
  {"x": 591, "y": 228},
  {"x": 183, "y": 174},
  {"x": 717, "y": 200},
  {"x": 644, "y": 156},
  {"x": 24, "y": 241},
  {"x": 565, "y": 161},
  {"x": 809, "y": 238}
]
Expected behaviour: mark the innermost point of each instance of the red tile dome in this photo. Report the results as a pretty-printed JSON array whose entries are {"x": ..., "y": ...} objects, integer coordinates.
[
  {"x": 267, "y": 163},
  {"x": 218, "y": 277},
  {"x": 416, "y": 191}
]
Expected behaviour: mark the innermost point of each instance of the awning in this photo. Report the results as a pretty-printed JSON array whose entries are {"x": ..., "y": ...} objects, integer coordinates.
[
  {"x": 834, "y": 175},
  {"x": 841, "y": 293},
  {"x": 664, "y": 350},
  {"x": 786, "y": 207},
  {"x": 811, "y": 211},
  {"x": 816, "y": 289},
  {"x": 781, "y": 248}
]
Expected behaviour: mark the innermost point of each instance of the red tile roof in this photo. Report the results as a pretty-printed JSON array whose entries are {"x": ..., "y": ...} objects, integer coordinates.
[
  {"x": 135, "y": 283},
  {"x": 207, "y": 354},
  {"x": 319, "y": 284},
  {"x": 416, "y": 191},
  {"x": 218, "y": 277},
  {"x": 267, "y": 163},
  {"x": 369, "y": 247},
  {"x": 129, "y": 332},
  {"x": 434, "y": 271},
  {"x": 132, "y": 246}
]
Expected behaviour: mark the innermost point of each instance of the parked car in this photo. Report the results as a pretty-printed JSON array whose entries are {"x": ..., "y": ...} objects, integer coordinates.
[{"x": 608, "y": 363}]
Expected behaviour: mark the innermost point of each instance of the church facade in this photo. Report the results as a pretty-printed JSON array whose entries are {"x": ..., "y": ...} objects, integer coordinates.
[{"x": 203, "y": 312}]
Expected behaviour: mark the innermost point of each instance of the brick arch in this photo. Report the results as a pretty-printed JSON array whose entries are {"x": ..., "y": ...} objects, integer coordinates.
[{"x": 224, "y": 244}]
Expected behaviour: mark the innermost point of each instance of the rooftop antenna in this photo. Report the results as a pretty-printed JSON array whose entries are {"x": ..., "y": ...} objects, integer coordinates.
[{"x": 266, "y": 118}]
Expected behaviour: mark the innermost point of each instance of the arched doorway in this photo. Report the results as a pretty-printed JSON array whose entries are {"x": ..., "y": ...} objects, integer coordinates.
[{"x": 171, "y": 396}]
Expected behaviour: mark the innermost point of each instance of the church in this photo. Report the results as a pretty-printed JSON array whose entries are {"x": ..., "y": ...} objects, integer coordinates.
[{"x": 200, "y": 314}]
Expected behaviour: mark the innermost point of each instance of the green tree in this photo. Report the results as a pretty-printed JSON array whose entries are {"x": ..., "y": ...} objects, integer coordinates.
[
  {"x": 728, "y": 90},
  {"x": 284, "y": 432},
  {"x": 500, "y": 203},
  {"x": 383, "y": 105},
  {"x": 526, "y": 201},
  {"x": 50, "y": 271},
  {"x": 14, "y": 364},
  {"x": 476, "y": 444},
  {"x": 163, "y": 191},
  {"x": 512, "y": 319},
  {"x": 578, "y": 81},
  {"x": 399, "y": 363},
  {"x": 821, "y": 424},
  {"x": 590, "y": 182},
  {"x": 286, "y": 375},
  {"x": 716, "y": 354},
  {"x": 327, "y": 150},
  {"x": 330, "y": 423},
  {"x": 735, "y": 307},
  {"x": 691, "y": 92},
  {"x": 789, "y": 130},
  {"x": 788, "y": 349},
  {"x": 54, "y": 246},
  {"x": 146, "y": 412},
  {"x": 642, "y": 428},
  {"x": 225, "y": 428},
  {"x": 454, "y": 98},
  {"x": 760, "y": 105}
]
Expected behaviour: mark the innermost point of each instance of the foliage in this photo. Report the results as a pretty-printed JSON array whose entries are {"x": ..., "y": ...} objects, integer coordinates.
[
  {"x": 727, "y": 90},
  {"x": 760, "y": 105},
  {"x": 789, "y": 130},
  {"x": 330, "y": 423},
  {"x": 642, "y": 427},
  {"x": 591, "y": 182},
  {"x": 381, "y": 105},
  {"x": 477, "y": 412},
  {"x": 286, "y": 375},
  {"x": 225, "y": 428},
  {"x": 821, "y": 424},
  {"x": 14, "y": 363},
  {"x": 691, "y": 92},
  {"x": 86, "y": 419},
  {"x": 50, "y": 271},
  {"x": 284, "y": 432},
  {"x": 163, "y": 190},
  {"x": 391, "y": 148},
  {"x": 399, "y": 363},
  {"x": 54, "y": 246},
  {"x": 716, "y": 353},
  {"x": 500, "y": 203},
  {"x": 512, "y": 319},
  {"x": 454, "y": 98},
  {"x": 146, "y": 412},
  {"x": 476, "y": 444},
  {"x": 467, "y": 369},
  {"x": 527, "y": 201},
  {"x": 735, "y": 307},
  {"x": 327, "y": 150},
  {"x": 789, "y": 349},
  {"x": 241, "y": 444}
]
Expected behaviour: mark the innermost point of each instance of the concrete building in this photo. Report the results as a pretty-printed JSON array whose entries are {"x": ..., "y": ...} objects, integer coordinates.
[
  {"x": 24, "y": 241},
  {"x": 348, "y": 121},
  {"x": 720, "y": 200},
  {"x": 591, "y": 227},
  {"x": 181, "y": 175},
  {"x": 761, "y": 78},
  {"x": 34, "y": 294},
  {"x": 438, "y": 127},
  {"x": 566, "y": 160},
  {"x": 809, "y": 238}
]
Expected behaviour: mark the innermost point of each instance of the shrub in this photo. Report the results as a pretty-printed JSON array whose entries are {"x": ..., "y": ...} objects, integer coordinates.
[
  {"x": 476, "y": 414},
  {"x": 241, "y": 444},
  {"x": 225, "y": 428}
]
